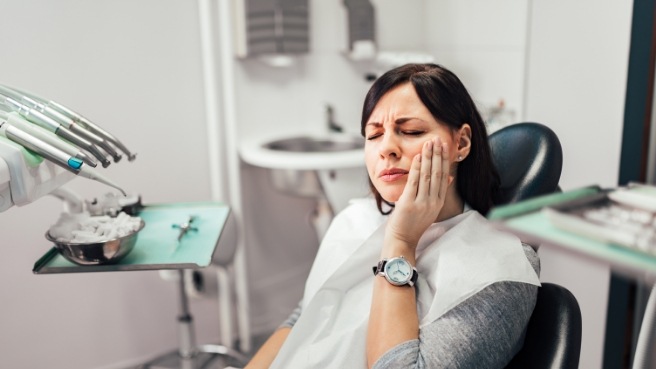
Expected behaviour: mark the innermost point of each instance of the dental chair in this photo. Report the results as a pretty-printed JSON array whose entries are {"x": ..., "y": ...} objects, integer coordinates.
[{"x": 529, "y": 159}]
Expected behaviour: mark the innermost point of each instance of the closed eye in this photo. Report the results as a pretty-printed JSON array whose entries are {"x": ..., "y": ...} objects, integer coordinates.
[
  {"x": 373, "y": 136},
  {"x": 413, "y": 133}
]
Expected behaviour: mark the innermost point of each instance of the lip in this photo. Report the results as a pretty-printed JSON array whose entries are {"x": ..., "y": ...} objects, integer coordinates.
[{"x": 392, "y": 174}]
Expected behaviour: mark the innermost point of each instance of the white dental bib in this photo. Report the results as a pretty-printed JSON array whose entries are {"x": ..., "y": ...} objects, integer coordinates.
[{"x": 452, "y": 266}]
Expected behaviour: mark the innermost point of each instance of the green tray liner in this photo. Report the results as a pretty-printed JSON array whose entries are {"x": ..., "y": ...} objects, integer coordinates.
[{"x": 157, "y": 246}]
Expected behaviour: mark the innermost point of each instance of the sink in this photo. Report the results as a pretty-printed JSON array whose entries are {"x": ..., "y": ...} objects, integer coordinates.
[
  {"x": 304, "y": 151},
  {"x": 307, "y": 144},
  {"x": 310, "y": 165}
]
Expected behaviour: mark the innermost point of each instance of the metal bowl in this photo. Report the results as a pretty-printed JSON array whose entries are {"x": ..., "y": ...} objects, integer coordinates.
[{"x": 106, "y": 252}]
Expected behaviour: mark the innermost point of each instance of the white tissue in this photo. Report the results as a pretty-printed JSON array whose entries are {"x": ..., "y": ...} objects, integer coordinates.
[{"x": 84, "y": 228}]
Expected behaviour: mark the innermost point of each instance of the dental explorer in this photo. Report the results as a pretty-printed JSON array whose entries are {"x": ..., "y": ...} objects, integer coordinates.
[
  {"x": 81, "y": 120},
  {"x": 37, "y": 103},
  {"x": 53, "y": 154},
  {"x": 51, "y": 125}
]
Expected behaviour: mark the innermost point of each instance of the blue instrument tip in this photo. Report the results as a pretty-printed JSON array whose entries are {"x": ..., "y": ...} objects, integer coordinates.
[{"x": 75, "y": 163}]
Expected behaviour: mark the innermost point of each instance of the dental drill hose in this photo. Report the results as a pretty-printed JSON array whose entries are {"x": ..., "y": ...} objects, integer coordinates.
[{"x": 53, "y": 154}]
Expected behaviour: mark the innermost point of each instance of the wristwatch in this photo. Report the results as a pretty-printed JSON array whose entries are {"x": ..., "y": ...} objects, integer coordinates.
[{"x": 397, "y": 271}]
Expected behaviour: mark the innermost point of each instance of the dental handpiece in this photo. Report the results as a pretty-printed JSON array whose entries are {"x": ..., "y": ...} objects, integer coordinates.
[
  {"x": 101, "y": 132},
  {"x": 49, "y": 124},
  {"x": 35, "y": 102},
  {"x": 82, "y": 121},
  {"x": 17, "y": 121},
  {"x": 53, "y": 154}
]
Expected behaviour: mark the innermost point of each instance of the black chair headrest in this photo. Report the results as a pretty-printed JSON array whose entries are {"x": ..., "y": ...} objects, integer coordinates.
[{"x": 529, "y": 159}]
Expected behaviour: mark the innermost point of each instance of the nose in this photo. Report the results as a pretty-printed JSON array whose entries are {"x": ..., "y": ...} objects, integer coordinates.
[{"x": 389, "y": 146}]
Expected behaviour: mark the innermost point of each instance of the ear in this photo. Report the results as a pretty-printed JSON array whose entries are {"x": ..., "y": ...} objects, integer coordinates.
[{"x": 463, "y": 138}]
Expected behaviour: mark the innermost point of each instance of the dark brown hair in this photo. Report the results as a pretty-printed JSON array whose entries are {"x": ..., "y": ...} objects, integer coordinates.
[{"x": 447, "y": 99}]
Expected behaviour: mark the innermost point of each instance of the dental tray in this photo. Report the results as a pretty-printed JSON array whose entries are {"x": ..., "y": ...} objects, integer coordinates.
[
  {"x": 625, "y": 217},
  {"x": 157, "y": 246},
  {"x": 557, "y": 220}
]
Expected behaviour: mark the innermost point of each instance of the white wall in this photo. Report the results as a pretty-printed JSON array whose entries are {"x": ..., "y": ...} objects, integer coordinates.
[
  {"x": 484, "y": 43},
  {"x": 578, "y": 55},
  {"x": 134, "y": 68}
]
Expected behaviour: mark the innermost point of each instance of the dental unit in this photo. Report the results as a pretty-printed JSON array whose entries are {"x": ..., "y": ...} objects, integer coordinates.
[
  {"x": 44, "y": 145},
  {"x": 77, "y": 123},
  {"x": 35, "y": 102},
  {"x": 52, "y": 153},
  {"x": 37, "y": 117},
  {"x": 19, "y": 122}
]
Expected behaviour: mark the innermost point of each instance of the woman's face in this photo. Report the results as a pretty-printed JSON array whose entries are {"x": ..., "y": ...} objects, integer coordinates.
[{"x": 398, "y": 127}]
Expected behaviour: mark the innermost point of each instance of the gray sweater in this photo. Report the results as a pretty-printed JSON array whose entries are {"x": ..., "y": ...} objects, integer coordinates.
[{"x": 484, "y": 331}]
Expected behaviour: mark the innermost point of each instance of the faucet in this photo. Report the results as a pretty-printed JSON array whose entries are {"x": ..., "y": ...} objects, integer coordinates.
[{"x": 332, "y": 125}]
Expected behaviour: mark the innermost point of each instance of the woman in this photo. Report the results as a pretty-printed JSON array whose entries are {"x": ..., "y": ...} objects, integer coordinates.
[{"x": 450, "y": 291}]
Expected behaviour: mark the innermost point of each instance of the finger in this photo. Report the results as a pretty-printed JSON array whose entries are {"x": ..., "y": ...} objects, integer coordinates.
[
  {"x": 436, "y": 169},
  {"x": 410, "y": 190},
  {"x": 444, "y": 180},
  {"x": 425, "y": 173}
]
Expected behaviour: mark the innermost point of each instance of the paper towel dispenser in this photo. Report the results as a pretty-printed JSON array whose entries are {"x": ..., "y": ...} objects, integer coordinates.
[
  {"x": 361, "y": 22},
  {"x": 272, "y": 27}
]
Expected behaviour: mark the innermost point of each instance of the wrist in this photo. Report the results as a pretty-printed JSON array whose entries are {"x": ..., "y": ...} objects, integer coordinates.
[{"x": 396, "y": 248}]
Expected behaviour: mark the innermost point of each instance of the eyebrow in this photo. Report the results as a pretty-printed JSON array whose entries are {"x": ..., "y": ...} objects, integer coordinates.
[{"x": 397, "y": 122}]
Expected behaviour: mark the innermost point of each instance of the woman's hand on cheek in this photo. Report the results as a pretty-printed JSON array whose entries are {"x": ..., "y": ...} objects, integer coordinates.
[{"x": 422, "y": 198}]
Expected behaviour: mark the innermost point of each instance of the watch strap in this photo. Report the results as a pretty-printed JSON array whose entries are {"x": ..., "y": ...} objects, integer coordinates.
[
  {"x": 380, "y": 267},
  {"x": 415, "y": 276}
]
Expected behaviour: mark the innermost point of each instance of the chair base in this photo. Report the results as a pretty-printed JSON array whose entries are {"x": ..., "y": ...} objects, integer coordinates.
[{"x": 189, "y": 355}]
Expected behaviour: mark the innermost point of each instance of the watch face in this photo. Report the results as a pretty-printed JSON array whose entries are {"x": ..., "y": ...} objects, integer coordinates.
[{"x": 398, "y": 271}]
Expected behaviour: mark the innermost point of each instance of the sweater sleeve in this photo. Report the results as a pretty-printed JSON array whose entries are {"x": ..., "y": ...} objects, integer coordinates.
[
  {"x": 485, "y": 331},
  {"x": 293, "y": 317}
]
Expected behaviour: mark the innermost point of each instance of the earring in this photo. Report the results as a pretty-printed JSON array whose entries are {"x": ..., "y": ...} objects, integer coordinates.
[{"x": 459, "y": 157}]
